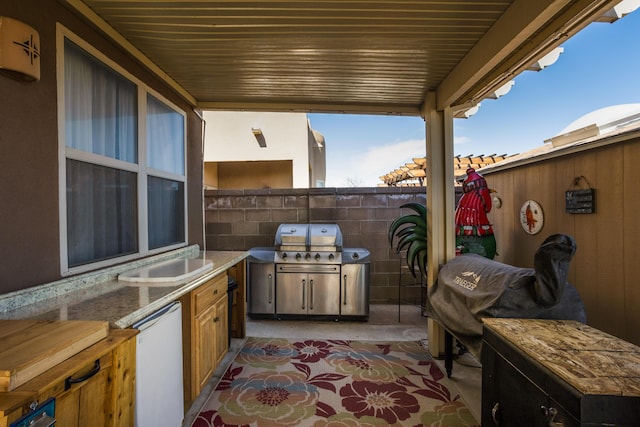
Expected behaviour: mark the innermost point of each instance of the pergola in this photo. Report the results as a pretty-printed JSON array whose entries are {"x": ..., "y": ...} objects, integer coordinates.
[
  {"x": 415, "y": 173},
  {"x": 434, "y": 59}
]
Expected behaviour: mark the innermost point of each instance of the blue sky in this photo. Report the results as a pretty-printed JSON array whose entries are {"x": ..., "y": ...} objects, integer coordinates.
[{"x": 600, "y": 67}]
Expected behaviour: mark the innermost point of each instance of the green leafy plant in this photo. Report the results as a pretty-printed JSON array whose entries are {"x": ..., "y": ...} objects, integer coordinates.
[{"x": 411, "y": 233}]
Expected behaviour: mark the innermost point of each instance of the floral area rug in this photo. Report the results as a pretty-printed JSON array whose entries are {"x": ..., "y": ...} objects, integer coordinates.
[{"x": 285, "y": 382}]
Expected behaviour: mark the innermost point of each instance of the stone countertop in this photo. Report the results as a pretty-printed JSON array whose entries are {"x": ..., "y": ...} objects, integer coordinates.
[
  {"x": 591, "y": 361},
  {"x": 118, "y": 302}
]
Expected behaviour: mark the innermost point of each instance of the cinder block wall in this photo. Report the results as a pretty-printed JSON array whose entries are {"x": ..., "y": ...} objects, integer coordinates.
[{"x": 243, "y": 219}]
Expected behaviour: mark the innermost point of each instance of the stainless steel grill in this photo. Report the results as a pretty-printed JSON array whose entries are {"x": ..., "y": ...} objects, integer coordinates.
[
  {"x": 308, "y": 274},
  {"x": 316, "y": 243}
]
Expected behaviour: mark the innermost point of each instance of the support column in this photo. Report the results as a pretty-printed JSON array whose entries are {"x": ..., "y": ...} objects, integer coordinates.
[{"x": 440, "y": 201}]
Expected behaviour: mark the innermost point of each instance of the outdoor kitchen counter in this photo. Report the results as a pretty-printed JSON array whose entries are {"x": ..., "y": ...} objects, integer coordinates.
[{"x": 120, "y": 303}]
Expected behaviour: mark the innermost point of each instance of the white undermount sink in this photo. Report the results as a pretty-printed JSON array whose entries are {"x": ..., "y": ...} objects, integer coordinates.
[{"x": 167, "y": 273}]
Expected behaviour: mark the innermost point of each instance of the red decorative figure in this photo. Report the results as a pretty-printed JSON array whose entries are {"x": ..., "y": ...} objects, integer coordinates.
[
  {"x": 531, "y": 221},
  {"x": 474, "y": 233}
]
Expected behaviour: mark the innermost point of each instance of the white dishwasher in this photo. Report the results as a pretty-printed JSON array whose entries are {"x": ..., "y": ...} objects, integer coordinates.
[{"x": 159, "y": 395}]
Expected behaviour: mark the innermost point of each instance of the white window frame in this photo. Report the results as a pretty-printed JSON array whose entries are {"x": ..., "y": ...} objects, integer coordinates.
[{"x": 141, "y": 168}]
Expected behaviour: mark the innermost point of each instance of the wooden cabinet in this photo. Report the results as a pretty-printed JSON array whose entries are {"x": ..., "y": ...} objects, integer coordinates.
[
  {"x": 557, "y": 373},
  {"x": 203, "y": 350},
  {"x": 104, "y": 398},
  {"x": 205, "y": 334}
]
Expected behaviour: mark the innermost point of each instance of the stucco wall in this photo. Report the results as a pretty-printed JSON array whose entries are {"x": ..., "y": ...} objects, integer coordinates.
[
  {"x": 29, "y": 236},
  {"x": 228, "y": 138},
  {"x": 255, "y": 174},
  {"x": 242, "y": 219}
]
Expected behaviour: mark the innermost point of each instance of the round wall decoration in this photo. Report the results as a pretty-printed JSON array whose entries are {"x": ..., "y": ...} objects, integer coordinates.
[
  {"x": 496, "y": 201},
  {"x": 531, "y": 217}
]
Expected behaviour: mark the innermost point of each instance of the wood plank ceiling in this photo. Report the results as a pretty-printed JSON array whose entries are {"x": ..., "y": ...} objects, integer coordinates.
[{"x": 351, "y": 56}]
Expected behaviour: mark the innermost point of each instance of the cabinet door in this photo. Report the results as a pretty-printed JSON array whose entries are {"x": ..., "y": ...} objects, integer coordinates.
[
  {"x": 354, "y": 299},
  {"x": 84, "y": 403},
  {"x": 323, "y": 294},
  {"x": 204, "y": 346},
  {"x": 291, "y": 293},
  {"x": 509, "y": 397},
  {"x": 261, "y": 297},
  {"x": 512, "y": 398},
  {"x": 221, "y": 326}
]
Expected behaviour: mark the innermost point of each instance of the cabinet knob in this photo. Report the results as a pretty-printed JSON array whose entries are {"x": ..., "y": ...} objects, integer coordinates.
[{"x": 216, "y": 319}]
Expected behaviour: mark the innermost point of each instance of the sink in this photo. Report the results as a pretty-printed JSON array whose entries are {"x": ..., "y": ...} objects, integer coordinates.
[{"x": 167, "y": 273}]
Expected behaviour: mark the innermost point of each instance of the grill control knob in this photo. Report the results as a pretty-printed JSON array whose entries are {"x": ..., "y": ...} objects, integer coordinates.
[
  {"x": 284, "y": 256},
  {"x": 307, "y": 256},
  {"x": 331, "y": 257},
  {"x": 317, "y": 257},
  {"x": 298, "y": 256},
  {"x": 355, "y": 255}
]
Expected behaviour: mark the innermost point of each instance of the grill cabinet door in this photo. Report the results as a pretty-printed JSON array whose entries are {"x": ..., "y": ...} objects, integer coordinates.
[
  {"x": 324, "y": 294},
  {"x": 261, "y": 293},
  {"x": 292, "y": 293},
  {"x": 354, "y": 297}
]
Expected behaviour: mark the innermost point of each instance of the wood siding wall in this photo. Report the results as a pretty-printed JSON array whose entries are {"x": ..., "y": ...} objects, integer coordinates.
[{"x": 604, "y": 267}]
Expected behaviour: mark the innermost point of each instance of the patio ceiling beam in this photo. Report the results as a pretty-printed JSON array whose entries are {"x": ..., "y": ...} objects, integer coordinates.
[
  {"x": 408, "y": 110},
  {"x": 525, "y": 32}
]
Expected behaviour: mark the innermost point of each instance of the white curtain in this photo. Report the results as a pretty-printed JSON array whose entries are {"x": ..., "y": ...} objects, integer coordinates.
[
  {"x": 165, "y": 151},
  {"x": 100, "y": 118},
  {"x": 100, "y": 108},
  {"x": 165, "y": 137}
]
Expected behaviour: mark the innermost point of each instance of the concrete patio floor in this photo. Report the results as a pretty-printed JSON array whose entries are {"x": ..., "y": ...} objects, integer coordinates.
[{"x": 385, "y": 322}]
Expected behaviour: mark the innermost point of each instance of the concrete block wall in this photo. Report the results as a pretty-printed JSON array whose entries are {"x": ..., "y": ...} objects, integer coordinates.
[{"x": 243, "y": 219}]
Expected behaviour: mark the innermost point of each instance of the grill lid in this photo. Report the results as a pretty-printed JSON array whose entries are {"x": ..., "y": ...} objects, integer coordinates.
[
  {"x": 323, "y": 237},
  {"x": 308, "y": 237},
  {"x": 292, "y": 237}
]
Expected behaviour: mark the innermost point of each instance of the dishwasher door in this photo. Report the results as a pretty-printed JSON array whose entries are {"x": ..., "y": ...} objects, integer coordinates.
[{"x": 159, "y": 389}]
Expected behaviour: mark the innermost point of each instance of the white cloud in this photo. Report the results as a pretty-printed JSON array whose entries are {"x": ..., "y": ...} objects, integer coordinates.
[
  {"x": 365, "y": 170},
  {"x": 462, "y": 140}
]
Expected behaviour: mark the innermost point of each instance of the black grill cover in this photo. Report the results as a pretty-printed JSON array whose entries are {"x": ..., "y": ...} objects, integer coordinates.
[{"x": 470, "y": 287}]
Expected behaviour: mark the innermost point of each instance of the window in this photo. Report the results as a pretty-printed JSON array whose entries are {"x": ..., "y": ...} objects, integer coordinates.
[
  {"x": 122, "y": 164},
  {"x": 165, "y": 157}
]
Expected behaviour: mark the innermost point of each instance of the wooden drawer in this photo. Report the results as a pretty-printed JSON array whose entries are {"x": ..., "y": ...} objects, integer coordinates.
[{"x": 207, "y": 294}]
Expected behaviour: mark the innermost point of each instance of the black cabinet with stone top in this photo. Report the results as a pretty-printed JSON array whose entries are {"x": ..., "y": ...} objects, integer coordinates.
[{"x": 557, "y": 373}]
